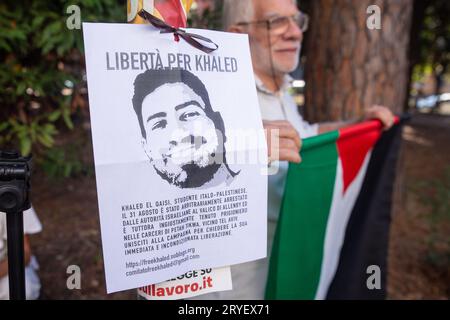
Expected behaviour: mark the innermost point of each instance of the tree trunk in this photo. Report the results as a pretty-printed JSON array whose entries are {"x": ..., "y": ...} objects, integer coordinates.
[{"x": 350, "y": 67}]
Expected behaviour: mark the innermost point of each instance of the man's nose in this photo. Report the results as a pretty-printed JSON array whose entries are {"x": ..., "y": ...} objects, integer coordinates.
[
  {"x": 180, "y": 135},
  {"x": 294, "y": 32},
  {"x": 174, "y": 132}
]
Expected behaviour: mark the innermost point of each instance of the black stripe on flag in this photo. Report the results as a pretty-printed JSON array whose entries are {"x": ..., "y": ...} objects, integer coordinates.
[{"x": 367, "y": 233}]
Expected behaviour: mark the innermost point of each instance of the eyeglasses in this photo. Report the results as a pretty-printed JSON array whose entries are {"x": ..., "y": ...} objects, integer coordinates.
[{"x": 279, "y": 25}]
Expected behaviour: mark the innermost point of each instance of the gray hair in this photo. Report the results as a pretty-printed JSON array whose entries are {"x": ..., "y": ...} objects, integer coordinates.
[{"x": 235, "y": 11}]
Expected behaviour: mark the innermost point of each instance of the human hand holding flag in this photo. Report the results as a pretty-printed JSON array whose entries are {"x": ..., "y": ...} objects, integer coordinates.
[{"x": 381, "y": 113}]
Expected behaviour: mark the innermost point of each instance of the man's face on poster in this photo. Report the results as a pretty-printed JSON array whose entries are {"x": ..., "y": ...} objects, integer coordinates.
[{"x": 181, "y": 140}]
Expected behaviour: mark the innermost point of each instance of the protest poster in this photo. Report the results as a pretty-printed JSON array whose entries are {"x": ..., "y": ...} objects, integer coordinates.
[{"x": 179, "y": 153}]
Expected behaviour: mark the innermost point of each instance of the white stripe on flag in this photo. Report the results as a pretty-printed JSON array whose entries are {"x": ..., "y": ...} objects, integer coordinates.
[{"x": 340, "y": 211}]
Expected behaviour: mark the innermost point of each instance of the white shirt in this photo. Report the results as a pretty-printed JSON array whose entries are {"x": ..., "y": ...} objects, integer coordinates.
[
  {"x": 31, "y": 224},
  {"x": 281, "y": 106}
]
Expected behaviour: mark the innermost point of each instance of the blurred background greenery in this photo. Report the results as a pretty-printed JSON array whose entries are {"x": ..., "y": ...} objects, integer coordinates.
[
  {"x": 43, "y": 91},
  {"x": 42, "y": 79}
]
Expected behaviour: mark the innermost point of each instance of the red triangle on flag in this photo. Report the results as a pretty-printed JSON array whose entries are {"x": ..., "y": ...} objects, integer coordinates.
[{"x": 353, "y": 145}]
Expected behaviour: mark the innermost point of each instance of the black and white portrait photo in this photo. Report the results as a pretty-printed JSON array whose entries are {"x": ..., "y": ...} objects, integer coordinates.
[{"x": 183, "y": 137}]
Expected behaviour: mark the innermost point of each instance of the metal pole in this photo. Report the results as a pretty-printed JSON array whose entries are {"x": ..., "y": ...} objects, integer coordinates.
[
  {"x": 16, "y": 263},
  {"x": 15, "y": 172}
]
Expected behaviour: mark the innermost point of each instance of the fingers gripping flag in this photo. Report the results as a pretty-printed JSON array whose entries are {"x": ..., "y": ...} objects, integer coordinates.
[{"x": 173, "y": 12}]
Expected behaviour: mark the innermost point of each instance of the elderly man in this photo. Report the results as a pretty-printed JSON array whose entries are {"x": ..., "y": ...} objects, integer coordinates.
[{"x": 275, "y": 29}]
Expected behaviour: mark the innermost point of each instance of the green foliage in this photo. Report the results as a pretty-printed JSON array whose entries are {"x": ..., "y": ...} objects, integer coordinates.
[
  {"x": 434, "y": 40},
  {"x": 64, "y": 162},
  {"x": 42, "y": 69},
  {"x": 27, "y": 134}
]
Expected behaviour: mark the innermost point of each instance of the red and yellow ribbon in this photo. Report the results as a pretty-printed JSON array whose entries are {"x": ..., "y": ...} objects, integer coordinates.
[{"x": 173, "y": 12}]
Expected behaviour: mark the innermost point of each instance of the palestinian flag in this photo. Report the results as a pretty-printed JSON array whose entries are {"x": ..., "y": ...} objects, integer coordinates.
[
  {"x": 173, "y": 12},
  {"x": 334, "y": 221}
]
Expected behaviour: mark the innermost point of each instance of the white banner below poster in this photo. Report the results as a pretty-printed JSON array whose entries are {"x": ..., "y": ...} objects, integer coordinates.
[
  {"x": 188, "y": 285},
  {"x": 179, "y": 150}
]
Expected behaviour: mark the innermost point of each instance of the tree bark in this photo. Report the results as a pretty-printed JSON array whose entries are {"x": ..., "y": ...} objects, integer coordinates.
[{"x": 350, "y": 67}]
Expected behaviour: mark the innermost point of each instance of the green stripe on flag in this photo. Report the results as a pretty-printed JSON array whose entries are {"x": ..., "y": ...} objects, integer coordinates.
[{"x": 303, "y": 220}]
